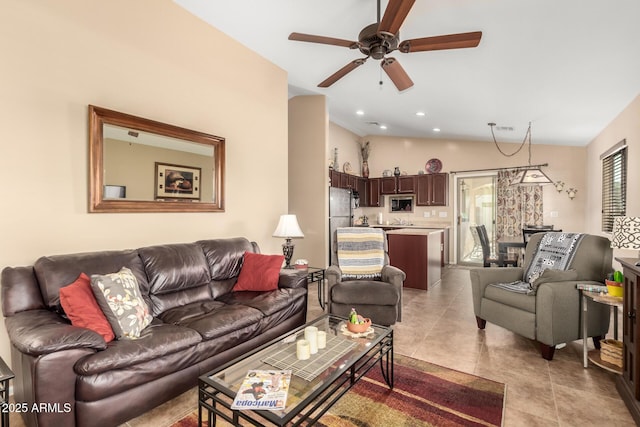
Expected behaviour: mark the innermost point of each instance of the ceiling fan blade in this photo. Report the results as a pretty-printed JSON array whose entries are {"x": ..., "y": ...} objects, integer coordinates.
[
  {"x": 394, "y": 16},
  {"x": 324, "y": 40},
  {"x": 450, "y": 41},
  {"x": 342, "y": 72},
  {"x": 396, "y": 73}
]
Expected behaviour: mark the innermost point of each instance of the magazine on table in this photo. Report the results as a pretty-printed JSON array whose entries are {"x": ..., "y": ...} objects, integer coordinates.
[{"x": 263, "y": 389}]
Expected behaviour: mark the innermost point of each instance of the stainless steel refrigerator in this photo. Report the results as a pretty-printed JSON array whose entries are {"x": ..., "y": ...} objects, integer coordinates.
[{"x": 341, "y": 205}]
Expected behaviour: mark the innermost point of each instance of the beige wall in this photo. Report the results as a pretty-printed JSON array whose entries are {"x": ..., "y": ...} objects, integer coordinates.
[
  {"x": 149, "y": 58},
  {"x": 309, "y": 182},
  {"x": 625, "y": 126}
]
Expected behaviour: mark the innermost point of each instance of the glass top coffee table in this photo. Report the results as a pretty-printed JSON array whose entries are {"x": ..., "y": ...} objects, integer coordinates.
[{"x": 316, "y": 383}]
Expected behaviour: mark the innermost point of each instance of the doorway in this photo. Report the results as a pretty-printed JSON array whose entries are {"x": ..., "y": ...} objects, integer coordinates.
[{"x": 475, "y": 205}]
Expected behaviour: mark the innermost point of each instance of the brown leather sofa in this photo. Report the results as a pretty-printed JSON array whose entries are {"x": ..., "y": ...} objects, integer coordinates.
[{"x": 199, "y": 323}]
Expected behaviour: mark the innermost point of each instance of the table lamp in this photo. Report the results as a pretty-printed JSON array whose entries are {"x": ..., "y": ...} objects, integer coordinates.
[
  {"x": 288, "y": 228},
  {"x": 626, "y": 233}
]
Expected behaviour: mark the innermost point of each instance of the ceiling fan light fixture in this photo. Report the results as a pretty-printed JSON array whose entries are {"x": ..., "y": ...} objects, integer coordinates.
[{"x": 383, "y": 37}]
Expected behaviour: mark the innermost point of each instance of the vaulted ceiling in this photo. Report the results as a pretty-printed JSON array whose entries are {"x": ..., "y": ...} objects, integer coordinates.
[{"x": 568, "y": 67}]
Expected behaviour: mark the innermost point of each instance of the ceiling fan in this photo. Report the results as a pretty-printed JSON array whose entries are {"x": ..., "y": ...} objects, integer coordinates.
[{"x": 383, "y": 37}]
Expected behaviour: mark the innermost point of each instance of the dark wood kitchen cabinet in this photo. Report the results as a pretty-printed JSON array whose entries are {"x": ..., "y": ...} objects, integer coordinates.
[
  {"x": 628, "y": 384},
  {"x": 361, "y": 188},
  {"x": 388, "y": 185},
  {"x": 334, "y": 178},
  {"x": 343, "y": 180},
  {"x": 404, "y": 184},
  {"x": 417, "y": 252},
  {"x": 373, "y": 193},
  {"x": 432, "y": 189}
]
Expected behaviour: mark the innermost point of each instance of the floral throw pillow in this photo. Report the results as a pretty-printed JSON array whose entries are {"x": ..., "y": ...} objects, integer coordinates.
[{"x": 120, "y": 299}]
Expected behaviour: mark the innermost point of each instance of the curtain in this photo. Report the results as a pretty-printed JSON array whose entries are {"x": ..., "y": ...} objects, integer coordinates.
[{"x": 517, "y": 205}]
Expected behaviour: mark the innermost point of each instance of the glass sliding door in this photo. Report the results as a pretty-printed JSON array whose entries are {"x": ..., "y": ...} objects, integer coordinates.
[{"x": 475, "y": 205}]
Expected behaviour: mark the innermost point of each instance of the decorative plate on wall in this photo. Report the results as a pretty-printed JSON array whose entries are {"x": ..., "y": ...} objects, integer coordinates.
[
  {"x": 346, "y": 168},
  {"x": 433, "y": 166}
]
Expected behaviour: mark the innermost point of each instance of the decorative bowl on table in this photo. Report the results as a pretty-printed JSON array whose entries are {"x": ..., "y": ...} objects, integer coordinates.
[
  {"x": 614, "y": 289},
  {"x": 358, "y": 328}
]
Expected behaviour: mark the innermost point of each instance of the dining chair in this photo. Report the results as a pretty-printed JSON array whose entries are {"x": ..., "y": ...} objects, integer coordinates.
[{"x": 487, "y": 257}]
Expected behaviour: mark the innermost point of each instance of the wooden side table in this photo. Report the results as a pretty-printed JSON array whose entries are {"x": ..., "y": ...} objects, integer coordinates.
[
  {"x": 6, "y": 375},
  {"x": 594, "y": 355}
]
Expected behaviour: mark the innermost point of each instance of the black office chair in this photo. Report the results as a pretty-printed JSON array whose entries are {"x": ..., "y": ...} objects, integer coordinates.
[{"x": 487, "y": 257}]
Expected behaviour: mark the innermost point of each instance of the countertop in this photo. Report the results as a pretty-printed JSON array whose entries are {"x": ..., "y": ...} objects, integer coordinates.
[
  {"x": 416, "y": 231},
  {"x": 412, "y": 226}
]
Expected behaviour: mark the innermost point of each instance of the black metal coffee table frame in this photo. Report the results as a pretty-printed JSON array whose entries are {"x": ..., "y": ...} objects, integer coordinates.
[{"x": 309, "y": 410}]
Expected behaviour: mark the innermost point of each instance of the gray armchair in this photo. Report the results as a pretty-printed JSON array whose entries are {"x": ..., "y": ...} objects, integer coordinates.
[
  {"x": 553, "y": 315},
  {"x": 380, "y": 300}
]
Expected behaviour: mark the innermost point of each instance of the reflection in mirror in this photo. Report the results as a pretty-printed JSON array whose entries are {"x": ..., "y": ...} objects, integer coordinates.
[{"x": 139, "y": 165}]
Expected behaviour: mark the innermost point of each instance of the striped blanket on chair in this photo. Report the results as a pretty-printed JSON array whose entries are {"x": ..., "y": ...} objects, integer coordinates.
[
  {"x": 360, "y": 252},
  {"x": 555, "y": 251}
]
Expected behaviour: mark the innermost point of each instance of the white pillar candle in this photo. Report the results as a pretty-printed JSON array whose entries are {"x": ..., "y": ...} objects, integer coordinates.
[
  {"x": 302, "y": 350},
  {"x": 311, "y": 335},
  {"x": 322, "y": 339}
]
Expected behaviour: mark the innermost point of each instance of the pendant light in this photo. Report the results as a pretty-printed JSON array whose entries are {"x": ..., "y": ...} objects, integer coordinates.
[{"x": 528, "y": 175}]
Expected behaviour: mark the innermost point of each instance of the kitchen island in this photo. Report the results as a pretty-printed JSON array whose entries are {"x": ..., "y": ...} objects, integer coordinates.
[{"x": 419, "y": 253}]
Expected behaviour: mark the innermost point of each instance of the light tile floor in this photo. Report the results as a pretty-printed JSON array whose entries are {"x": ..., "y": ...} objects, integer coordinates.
[{"x": 439, "y": 326}]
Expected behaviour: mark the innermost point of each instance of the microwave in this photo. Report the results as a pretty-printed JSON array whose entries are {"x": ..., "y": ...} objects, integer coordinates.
[{"x": 401, "y": 203}]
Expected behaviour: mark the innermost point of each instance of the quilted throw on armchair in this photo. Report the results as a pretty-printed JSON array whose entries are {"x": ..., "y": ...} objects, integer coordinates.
[
  {"x": 360, "y": 252},
  {"x": 554, "y": 252}
]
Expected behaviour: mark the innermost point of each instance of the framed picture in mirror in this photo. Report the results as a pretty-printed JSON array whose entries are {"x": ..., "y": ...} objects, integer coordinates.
[{"x": 177, "y": 182}]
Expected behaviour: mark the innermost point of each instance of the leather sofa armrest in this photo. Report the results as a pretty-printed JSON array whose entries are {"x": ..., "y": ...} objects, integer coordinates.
[
  {"x": 37, "y": 332},
  {"x": 484, "y": 276},
  {"x": 292, "y": 278}
]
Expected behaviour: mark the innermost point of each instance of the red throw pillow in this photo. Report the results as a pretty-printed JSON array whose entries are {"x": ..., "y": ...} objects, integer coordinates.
[
  {"x": 82, "y": 309},
  {"x": 259, "y": 272}
]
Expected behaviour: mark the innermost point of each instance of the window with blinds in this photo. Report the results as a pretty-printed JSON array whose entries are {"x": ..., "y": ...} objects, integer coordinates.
[{"x": 614, "y": 187}]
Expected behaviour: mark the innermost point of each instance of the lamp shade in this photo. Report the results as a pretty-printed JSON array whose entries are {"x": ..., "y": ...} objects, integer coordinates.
[
  {"x": 531, "y": 176},
  {"x": 626, "y": 232},
  {"x": 288, "y": 227}
]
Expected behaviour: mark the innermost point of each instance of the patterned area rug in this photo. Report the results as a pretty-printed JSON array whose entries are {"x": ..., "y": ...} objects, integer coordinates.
[{"x": 424, "y": 394}]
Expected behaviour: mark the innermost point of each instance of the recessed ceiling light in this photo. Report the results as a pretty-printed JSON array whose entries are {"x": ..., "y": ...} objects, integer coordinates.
[
  {"x": 360, "y": 113},
  {"x": 436, "y": 129},
  {"x": 383, "y": 126},
  {"x": 420, "y": 114}
]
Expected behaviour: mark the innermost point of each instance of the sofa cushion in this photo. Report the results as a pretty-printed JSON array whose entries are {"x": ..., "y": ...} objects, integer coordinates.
[
  {"x": 259, "y": 272},
  {"x": 225, "y": 256},
  {"x": 213, "y": 319},
  {"x": 54, "y": 272},
  {"x": 267, "y": 302},
  {"x": 174, "y": 267},
  {"x": 371, "y": 292},
  {"x": 178, "y": 275},
  {"x": 81, "y": 307},
  {"x": 157, "y": 340},
  {"x": 513, "y": 299},
  {"x": 119, "y": 297}
]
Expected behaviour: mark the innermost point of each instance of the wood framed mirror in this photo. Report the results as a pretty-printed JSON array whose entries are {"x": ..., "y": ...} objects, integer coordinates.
[{"x": 140, "y": 165}]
